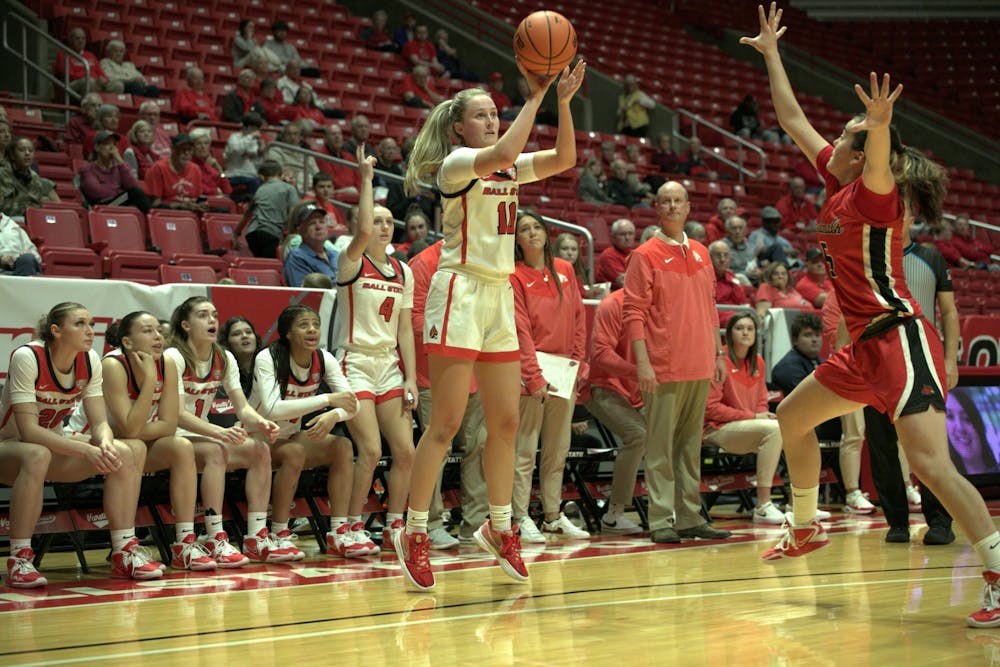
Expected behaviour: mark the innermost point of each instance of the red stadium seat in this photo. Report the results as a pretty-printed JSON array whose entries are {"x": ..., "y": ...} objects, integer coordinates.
[
  {"x": 264, "y": 277},
  {"x": 187, "y": 274},
  {"x": 55, "y": 228},
  {"x": 219, "y": 230},
  {"x": 120, "y": 229},
  {"x": 71, "y": 262},
  {"x": 259, "y": 263}
]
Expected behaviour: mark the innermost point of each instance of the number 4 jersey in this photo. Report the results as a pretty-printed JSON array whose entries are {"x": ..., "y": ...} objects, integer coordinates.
[{"x": 369, "y": 299}]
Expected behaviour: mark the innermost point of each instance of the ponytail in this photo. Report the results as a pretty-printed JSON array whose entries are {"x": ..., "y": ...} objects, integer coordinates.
[{"x": 56, "y": 316}]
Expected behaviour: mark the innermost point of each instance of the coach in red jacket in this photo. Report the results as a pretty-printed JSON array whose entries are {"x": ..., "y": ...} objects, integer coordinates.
[{"x": 671, "y": 321}]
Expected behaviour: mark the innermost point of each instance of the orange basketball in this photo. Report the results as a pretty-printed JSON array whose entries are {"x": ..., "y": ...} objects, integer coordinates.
[{"x": 545, "y": 42}]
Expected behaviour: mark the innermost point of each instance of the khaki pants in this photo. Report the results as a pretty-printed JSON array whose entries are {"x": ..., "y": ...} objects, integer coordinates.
[
  {"x": 675, "y": 414},
  {"x": 752, "y": 436},
  {"x": 629, "y": 424},
  {"x": 472, "y": 436},
  {"x": 551, "y": 422},
  {"x": 853, "y": 427}
]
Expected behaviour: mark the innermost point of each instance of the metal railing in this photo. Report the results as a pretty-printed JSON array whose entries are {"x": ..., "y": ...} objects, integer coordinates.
[
  {"x": 13, "y": 22},
  {"x": 742, "y": 145}
]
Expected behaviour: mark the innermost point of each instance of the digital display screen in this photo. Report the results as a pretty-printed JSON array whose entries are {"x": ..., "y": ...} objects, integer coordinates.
[{"x": 973, "y": 421}]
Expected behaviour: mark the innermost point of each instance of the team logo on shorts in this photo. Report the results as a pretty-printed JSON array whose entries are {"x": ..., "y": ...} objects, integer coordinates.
[
  {"x": 314, "y": 377},
  {"x": 433, "y": 332},
  {"x": 928, "y": 390}
]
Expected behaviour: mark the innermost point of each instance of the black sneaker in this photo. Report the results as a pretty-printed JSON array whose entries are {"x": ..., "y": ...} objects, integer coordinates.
[
  {"x": 665, "y": 536},
  {"x": 705, "y": 532},
  {"x": 898, "y": 534},
  {"x": 939, "y": 535}
]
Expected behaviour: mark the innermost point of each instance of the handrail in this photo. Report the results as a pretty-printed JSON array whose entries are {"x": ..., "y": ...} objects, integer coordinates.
[
  {"x": 741, "y": 143},
  {"x": 68, "y": 92},
  {"x": 576, "y": 229}
]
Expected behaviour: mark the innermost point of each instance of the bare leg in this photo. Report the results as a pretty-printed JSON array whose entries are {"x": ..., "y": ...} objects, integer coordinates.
[
  {"x": 23, "y": 465},
  {"x": 255, "y": 457},
  {"x": 500, "y": 388},
  {"x": 177, "y": 454},
  {"x": 212, "y": 459},
  {"x": 397, "y": 427},
  {"x": 367, "y": 438},
  {"x": 290, "y": 457},
  {"x": 341, "y": 475}
]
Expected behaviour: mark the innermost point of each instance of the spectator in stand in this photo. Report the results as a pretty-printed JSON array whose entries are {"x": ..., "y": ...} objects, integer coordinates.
[
  {"x": 389, "y": 160},
  {"x": 742, "y": 258},
  {"x": 246, "y": 49},
  {"x": 745, "y": 122},
  {"x": 633, "y": 108},
  {"x": 84, "y": 123},
  {"x": 405, "y": 32},
  {"x": 609, "y": 153},
  {"x": 807, "y": 172},
  {"x": 108, "y": 119},
  {"x": 610, "y": 265},
  {"x": 138, "y": 154},
  {"x": 268, "y": 214},
  {"x": 175, "y": 182},
  {"x": 77, "y": 41},
  {"x": 729, "y": 291},
  {"x": 242, "y": 99},
  {"x": 776, "y": 292},
  {"x": 213, "y": 178},
  {"x": 322, "y": 196},
  {"x": 278, "y": 44},
  {"x": 737, "y": 417},
  {"x": 376, "y": 36},
  {"x": 672, "y": 274},
  {"x": 18, "y": 255},
  {"x": 664, "y": 159},
  {"x": 767, "y": 245},
  {"x": 7, "y": 133},
  {"x": 420, "y": 51},
  {"x": 116, "y": 68},
  {"x": 149, "y": 111},
  {"x": 696, "y": 231},
  {"x": 968, "y": 246},
  {"x": 107, "y": 179},
  {"x": 803, "y": 358},
  {"x": 191, "y": 103},
  {"x": 417, "y": 89},
  {"x": 717, "y": 223},
  {"x": 361, "y": 130},
  {"x": 291, "y": 82},
  {"x": 447, "y": 55},
  {"x": 275, "y": 111},
  {"x": 814, "y": 285},
  {"x": 693, "y": 161},
  {"x": 242, "y": 156},
  {"x": 20, "y": 186},
  {"x": 297, "y": 168},
  {"x": 304, "y": 110},
  {"x": 311, "y": 256},
  {"x": 566, "y": 246},
  {"x": 346, "y": 180},
  {"x": 943, "y": 241},
  {"x": 625, "y": 189},
  {"x": 500, "y": 98},
  {"x": 592, "y": 186},
  {"x": 796, "y": 207},
  {"x": 417, "y": 227}
]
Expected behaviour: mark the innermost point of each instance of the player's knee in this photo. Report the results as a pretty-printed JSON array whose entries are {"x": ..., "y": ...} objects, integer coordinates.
[
  {"x": 293, "y": 456},
  {"x": 259, "y": 454},
  {"x": 504, "y": 426},
  {"x": 35, "y": 460},
  {"x": 403, "y": 458}
]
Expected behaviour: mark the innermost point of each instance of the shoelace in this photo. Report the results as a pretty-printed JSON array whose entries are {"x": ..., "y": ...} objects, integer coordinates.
[
  {"x": 140, "y": 555},
  {"x": 21, "y": 566},
  {"x": 419, "y": 554},
  {"x": 195, "y": 550},
  {"x": 510, "y": 547},
  {"x": 224, "y": 548},
  {"x": 991, "y": 595}
]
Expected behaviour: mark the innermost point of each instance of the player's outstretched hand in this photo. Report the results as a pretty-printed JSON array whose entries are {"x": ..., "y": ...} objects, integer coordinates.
[
  {"x": 878, "y": 107},
  {"x": 767, "y": 40},
  {"x": 366, "y": 165},
  {"x": 570, "y": 82},
  {"x": 537, "y": 84}
]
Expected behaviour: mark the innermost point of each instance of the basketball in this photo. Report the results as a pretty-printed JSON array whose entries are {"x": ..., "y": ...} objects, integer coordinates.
[{"x": 545, "y": 42}]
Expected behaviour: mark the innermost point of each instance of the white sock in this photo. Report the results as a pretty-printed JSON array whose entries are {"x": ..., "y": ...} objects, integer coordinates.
[
  {"x": 416, "y": 521},
  {"x": 213, "y": 524},
  {"x": 119, "y": 538},
  {"x": 184, "y": 528},
  {"x": 278, "y": 526},
  {"x": 988, "y": 549},
  {"x": 391, "y": 517},
  {"x": 500, "y": 517},
  {"x": 805, "y": 502},
  {"x": 336, "y": 522},
  {"x": 353, "y": 520},
  {"x": 256, "y": 521},
  {"x": 615, "y": 509},
  {"x": 17, "y": 545}
]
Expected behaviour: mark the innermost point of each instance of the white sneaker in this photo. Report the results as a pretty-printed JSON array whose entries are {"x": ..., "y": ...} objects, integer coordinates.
[
  {"x": 857, "y": 503},
  {"x": 441, "y": 539},
  {"x": 821, "y": 515},
  {"x": 913, "y": 498},
  {"x": 564, "y": 528},
  {"x": 529, "y": 531},
  {"x": 768, "y": 513},
  {"x": 619, "y": 524}
]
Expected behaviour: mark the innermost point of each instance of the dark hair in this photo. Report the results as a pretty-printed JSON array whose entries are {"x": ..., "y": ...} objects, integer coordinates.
[
  {"x": 321, "y": 177},
  {"x": 251, "y": 119},
  {"x": 56, "y": 316},
  {"x": 269, "y": 169},
  {"x": 546, "y": 250},
  {"x": 752, "y": 353},
  {"x": 123, "y": 327},
  {"x": 280, "y": 349},
  {"x": 230, "y": 323},
  {"x": 243, "y": 26},
  {"x": 806, "y": 321},
  {"x": 179, "y": 337},
  {"x": 12, "y": 146},
  {"x": 267, "y": 82},
  {"x": 973, "y": 415}
]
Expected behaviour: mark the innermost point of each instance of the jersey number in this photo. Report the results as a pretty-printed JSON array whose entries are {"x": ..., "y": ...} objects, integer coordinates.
[
  {"x": 507, "y": 217},
  {"x": 199, "y": 406},
  {"x": 385, "y": 310},
  {"x": 48, "y": 417},
  {"x": 828, "y": 259}
]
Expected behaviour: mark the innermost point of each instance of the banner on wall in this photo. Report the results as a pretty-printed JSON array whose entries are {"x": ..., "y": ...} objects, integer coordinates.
[{"x": 24, "y": 300}]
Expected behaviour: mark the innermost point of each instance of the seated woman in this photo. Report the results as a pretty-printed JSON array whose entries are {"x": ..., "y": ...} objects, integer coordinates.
[
  {"x": 139, "y": 154},
  {"x": 213, "y": 182},
  {"x": 18, "y": 255},
  {"x": 592, "y": 187},
  {"x": 304, "y": 109},
  {"x": 776, "y": 291},
  {"x": 737, "y": 418},
  {"x": 567, "y": 247},
  {"x": 247, "y": 49},
  {"x": 20, "y": 187},
  {"x": 239, "y": 337},
  {"x": 116, "y": 68},
  {"x": 107, "y": 179},
  {"x": 46, "y": 378}
]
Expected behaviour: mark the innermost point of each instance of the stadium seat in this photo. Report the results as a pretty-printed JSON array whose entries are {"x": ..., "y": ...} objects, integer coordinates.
[
  {"x": 259, "y": 263},
  {"x": 186, "y": 274},
  {"x": 260, "y": 277},
  {"x": 55, "y": 228},
  {"x": 71, "y": 262}
]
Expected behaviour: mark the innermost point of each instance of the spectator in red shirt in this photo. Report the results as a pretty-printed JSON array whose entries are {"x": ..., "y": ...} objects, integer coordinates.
[
  {"x": 77, "y": 40},
  {"x": 85, "y": 123},
  {"x": 970, "y": 248},
  {"x": 138, "y": 154},
  {"x": 664, "y": 158},
  {"x": 323, "y": 194},
  {"x": 796, "y": 207},
  {"x": 716, "y": 227},
  {"x": 943, "y": 241},
  {"x": 361, "y": 130},
  {"x": 610, "y": 265},
  {"x": 376, "y": 36},
  {"x": 729, "y": 291},
  {"x": 305, "y": 110},
  {"x": 346, "y": 180},
  {"x": 814, "y": 285},
  {"x": 192, "y": 103},
  {"x": 499, "y": 97},
  {"x": 418, "y": 89},
  {"x": 420, "y": 51},
  {"x": 106, "y": 179},
  {"x": 416, "y": 230},
  {"x": 213, "y": 182},
  {"x": 275, "y": 110},
  {"x": 175, "y": 182},
  {"x": 149, "y": 111},
  {"x": 776, "y": 292},
  {"x": 693, "y": 162}
]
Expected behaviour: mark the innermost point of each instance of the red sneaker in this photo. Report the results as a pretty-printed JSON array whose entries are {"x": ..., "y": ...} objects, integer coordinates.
[
  {"x": 412, "y": 552},
  {"x": 798, "y": 541},
  {"x": 363, "y": 539},
  {"x": 989, "y": 615},
  {"x": 505, "y": 547},
  {"x": 260, "y": 548},
  {"x": 223, "y": 553},
  {"x": 189, "y": 554},
  {"x": 283, "y": 544},
  {"x": 340, "y": 542},
  {"x": 21, "y": 572},
  {"x": 389, "y": 533},
  {"x": 134, "y": 562}
]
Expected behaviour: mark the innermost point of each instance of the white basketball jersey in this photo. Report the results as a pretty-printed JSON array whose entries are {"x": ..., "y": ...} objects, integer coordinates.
[
  {"x": 78, "y": 420},
  {"x": 197, "y": 386},
  {"x": 368, "y": 306}
]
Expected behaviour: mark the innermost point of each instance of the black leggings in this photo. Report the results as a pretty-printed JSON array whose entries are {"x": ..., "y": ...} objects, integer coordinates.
[{"x": 262, "y": 244}]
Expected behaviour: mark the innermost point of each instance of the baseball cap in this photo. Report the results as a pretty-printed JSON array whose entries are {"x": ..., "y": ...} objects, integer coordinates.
[
  {"x": 306, "y": 212},
  {"x": 770, "y": 213},
  {"x": 181, "y": 139},
  {"x": 104, "y": 135},
  {"x": 813, "y": 254}
]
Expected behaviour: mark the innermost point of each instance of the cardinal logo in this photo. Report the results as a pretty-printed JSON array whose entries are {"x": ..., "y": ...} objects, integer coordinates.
[{"x": 433, "y": 332}]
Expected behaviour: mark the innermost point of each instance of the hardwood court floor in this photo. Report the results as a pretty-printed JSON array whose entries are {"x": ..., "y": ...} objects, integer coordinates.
[{"x": 610, "y": 601}]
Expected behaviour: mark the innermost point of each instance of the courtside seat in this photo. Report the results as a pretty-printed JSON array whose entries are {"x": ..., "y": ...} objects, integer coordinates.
[
  {"x": 258, "y": 277},
  {"x": 187, "y": 274}
]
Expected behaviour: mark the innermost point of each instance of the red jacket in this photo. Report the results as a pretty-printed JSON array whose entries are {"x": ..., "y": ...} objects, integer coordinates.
[
  {"x": 810, "y": 289},
  {"x": 609, "y": 265},
  {"x": 740, "y": 396},
  {"x": 612, "y": 362},
  {"x": 793, "y": 213},
  {"x": 670, "y": 303},
  {"x": 729, "y": 291},
  {"x": 949, "y": 251},
  {"x": 343, "y": 176},
  {"x": 546, "y": 322},
  {"x": 189, "y": 103},
  {"x": 76, "y": 68},
  {"x": 972, "y": 249}
]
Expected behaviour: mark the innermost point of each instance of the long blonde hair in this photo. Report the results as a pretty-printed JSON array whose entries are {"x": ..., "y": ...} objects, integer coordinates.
[{"x": 436, "y": 137}]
